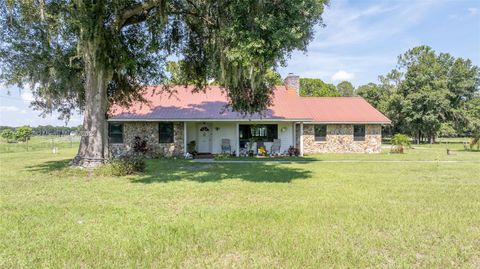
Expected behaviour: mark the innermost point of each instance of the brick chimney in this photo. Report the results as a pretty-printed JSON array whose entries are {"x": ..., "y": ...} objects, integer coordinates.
[{"x": 292, "y": 81}]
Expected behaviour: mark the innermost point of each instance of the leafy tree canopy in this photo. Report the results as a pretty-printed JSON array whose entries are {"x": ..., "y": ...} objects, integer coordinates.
[
  {"x": 273, "y": 77},
  {"x": 345, "y": 88},
  {"x": 316, "y": 87},
  {"x": 176, "y": 76},
  {"x": 428, "y": 94},
  {"x": 85, "y": 54},
  {"x": 8, "y": 134},
  {"x": 23, "y": 133},
  {"x": 373, "y": 93},
  {"x": 50, "y": 44}
]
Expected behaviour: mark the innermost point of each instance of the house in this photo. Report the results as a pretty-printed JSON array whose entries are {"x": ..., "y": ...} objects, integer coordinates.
[{"x": 169, "y": 121}]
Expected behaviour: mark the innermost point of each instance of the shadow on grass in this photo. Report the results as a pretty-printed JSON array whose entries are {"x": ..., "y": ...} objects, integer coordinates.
[
  {"x": 49, "y": 166},
  {"x": 471, "y": 150},
  {"x": 57, "y": 169},
  {"x": 159, "y": 171}
]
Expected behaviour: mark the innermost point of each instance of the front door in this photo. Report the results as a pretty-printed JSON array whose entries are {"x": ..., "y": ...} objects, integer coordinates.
[{"x": 204, "y": 138}]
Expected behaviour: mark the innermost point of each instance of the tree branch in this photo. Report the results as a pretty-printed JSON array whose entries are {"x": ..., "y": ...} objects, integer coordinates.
[
  {"x": 139, "y": 13},
  {"x": 136, "y": 10}
]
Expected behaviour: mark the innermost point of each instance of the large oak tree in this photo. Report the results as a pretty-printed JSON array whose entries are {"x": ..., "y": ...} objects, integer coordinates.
[{"x": 88, "y": 54}]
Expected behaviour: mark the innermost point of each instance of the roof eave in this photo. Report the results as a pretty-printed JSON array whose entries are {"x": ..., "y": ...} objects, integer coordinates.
[
  {"x": 351, "y": 122},
  {"x": 208, "y": 119}
]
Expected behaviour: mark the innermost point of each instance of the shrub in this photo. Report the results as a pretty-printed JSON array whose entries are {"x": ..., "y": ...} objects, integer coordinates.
[
  {"x": 292, "y": 151},
  {"x": 123, "y": 166},
  {"x": 139, "y": 145},
  {"x": 191, "y": 147},
  {"x": 400, "y": 142}
]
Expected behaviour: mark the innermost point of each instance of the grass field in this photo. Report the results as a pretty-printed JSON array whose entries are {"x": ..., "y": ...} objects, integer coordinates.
[
  {"x": 316, "y": 214},
  {"x": 41, "y": 143}
]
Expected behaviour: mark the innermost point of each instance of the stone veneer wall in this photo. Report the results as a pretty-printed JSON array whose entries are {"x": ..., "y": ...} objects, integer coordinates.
[
  {"x": 149, "y": 132},
  {"x": 340, "y": 139}
]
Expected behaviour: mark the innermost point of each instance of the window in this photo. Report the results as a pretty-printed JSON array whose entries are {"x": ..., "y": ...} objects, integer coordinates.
[
  {"x": 258, "y": 131},
  {"x": 165, "y": 132},
  {"x": 115, "y": 132},
  {"x": 320, "y": 132},
  {"x": 359, "y": 132},
  {"x": 261, "y": 132}
]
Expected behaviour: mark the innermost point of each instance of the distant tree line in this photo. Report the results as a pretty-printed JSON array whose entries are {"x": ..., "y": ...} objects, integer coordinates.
[
  {"x": 47, "y": 130},
  {"x": 427, "y": 95}
]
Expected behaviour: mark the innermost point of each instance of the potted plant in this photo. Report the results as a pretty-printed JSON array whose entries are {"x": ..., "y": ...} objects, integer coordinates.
[
  {"x": 191, "y": 148},
  {"x": 262, "y": 151}
]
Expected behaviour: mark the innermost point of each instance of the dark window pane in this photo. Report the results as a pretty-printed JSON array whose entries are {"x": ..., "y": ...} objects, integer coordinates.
[
  {"x": 165, "y": 132},
  {"x": 115, "y": 132},
  {"x": 261, "y": 132},
  {"x": 272, "y": 132},
  {"x": 359, "y": 132},
  {"x": 244, "y": 132},
  {"x": 320, "y": 132}
]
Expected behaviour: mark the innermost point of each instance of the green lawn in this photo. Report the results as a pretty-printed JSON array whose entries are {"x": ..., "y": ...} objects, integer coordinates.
[
  {"x": 292, "y": 215},
  {"x": 41, "y": 143}
]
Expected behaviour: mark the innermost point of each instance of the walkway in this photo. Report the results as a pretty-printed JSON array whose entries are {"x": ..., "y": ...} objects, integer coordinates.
[{"x": 331, "y": 161}]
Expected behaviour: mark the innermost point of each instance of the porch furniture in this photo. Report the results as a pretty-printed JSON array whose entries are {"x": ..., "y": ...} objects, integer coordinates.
[
  {"x": 275, "y": 149},
  {"x": 249, "y": 148},
  {"x": 243, "y": 152},
  {"x": 226, "y": 147}
]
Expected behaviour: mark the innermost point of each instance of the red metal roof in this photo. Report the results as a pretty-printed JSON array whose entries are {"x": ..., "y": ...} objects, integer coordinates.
[{"x": 181, "y": 104}]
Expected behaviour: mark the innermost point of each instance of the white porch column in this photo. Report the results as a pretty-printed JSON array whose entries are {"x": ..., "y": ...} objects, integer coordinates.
[
  {"x": 301, "y": 138},
  {"x": 237, "y": 139},
  {"x": 294, "y": 144},
  {"x": 184, "y": 137}
]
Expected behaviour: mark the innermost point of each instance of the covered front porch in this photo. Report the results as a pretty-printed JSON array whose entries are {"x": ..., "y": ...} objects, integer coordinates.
[
  {"x": 176, "y": 138},
  {"x": 216, "y": 137}
]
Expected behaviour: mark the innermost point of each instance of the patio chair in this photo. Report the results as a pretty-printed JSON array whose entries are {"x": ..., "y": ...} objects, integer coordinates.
[
  {"x": 275, "y": 149},
  {"x": 226, "y": 147}
]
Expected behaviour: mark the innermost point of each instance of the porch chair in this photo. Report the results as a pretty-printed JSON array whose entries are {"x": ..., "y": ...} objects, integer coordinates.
[
  {"x": 275, "y": 149},
  {"x": 226, "y": 147}
]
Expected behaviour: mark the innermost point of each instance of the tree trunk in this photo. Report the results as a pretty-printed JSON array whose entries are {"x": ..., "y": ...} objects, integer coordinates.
[{"x": 94, "y": 136}]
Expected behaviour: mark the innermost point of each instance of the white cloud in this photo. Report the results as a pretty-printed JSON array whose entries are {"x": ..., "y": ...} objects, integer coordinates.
[
  {"x": 358, "y": 39},
  {"x": 9, "y": 109},
  {"x": 342, "y": 75},
  {"x": 324, "y": 65},
  {"x": 27, "y": 96},
  {"x": 473, "y": 11},
  {"x": 350, "y": 25}
]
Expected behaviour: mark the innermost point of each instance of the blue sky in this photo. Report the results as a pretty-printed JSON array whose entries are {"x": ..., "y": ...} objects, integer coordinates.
[{"x": 361, "y": 40}]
